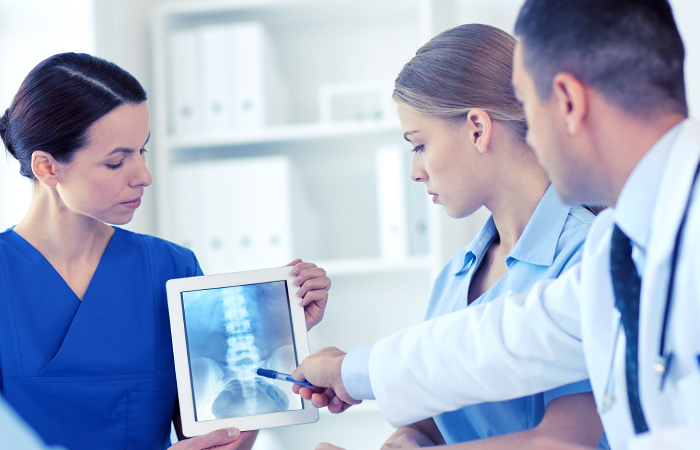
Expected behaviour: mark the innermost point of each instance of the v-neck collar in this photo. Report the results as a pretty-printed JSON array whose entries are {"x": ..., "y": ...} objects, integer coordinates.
[{"x": 23, "y": 242}]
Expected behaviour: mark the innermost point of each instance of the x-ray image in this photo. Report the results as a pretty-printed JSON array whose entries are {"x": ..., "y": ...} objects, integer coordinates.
[{"x": 231, "y": 332}]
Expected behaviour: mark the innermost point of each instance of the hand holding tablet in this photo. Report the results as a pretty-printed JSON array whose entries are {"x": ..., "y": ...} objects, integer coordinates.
[
  {"x": 224, "y": 328},
  {"x": 313, "y": 290}
]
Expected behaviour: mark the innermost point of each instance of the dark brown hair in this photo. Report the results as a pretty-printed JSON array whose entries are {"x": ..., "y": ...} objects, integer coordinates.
[
  {"x": 58, "y": 101},
  {"x": 630, "y": 50}
]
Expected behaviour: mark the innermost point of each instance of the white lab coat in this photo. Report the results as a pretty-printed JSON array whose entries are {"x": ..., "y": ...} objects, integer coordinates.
[{"x": 563, "y": 331}]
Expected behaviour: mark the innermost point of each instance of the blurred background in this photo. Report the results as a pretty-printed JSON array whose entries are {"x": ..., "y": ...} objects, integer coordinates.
[{"x": 274, "y": 137}]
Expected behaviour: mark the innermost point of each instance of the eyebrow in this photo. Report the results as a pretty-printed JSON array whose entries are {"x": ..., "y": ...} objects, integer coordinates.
[
  {"x": 405, "y": 135},
  {"x": 129, "y": 150}
]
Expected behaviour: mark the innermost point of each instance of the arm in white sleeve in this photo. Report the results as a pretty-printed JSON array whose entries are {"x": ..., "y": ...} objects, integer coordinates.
[
  {"x": 355, "y": 373},
  {"x": 678, "y": 437},
  {"x": 514, "y": 346}
]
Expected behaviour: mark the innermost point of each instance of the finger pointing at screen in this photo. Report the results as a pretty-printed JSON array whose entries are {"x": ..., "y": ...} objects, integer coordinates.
[{"x": 323, "y": 371}]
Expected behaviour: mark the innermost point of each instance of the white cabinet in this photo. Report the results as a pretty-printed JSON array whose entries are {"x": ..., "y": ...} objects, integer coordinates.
[{"x": 329, "y": 157}]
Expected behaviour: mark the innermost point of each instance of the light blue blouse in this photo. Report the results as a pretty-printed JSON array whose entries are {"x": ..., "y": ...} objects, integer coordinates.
[{"x": 551, "y": 242}]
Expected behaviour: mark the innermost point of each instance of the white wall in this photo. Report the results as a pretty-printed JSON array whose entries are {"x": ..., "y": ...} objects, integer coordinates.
[
  {"x": 30, "y": 31},
  {"x": 687, "y": 13}
]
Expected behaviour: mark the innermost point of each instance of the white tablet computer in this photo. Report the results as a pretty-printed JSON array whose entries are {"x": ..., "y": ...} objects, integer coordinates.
[{"x": 225, "y": 328}]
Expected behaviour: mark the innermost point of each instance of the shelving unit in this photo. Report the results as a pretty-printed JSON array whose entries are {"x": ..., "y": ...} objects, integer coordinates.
[
  {"x": 284, "y": 134},
  {"x": 318, "y": 42}
]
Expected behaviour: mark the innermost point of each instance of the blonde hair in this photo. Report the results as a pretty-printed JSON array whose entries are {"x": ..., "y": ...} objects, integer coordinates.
[{"x": 460, "y": 69}]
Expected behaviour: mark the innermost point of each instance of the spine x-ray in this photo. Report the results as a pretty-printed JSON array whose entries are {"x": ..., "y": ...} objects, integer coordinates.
[{"x": 231, "y": 332}]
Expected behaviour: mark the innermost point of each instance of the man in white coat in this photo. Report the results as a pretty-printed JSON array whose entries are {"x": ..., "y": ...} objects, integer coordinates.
[{"x": 601, "y": 82}]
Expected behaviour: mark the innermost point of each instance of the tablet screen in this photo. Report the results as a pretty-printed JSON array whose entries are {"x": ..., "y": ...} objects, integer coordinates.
[{"x": 231, "y": 332}]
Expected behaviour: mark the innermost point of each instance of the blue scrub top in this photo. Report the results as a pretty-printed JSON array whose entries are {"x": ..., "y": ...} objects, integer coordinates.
[
  {"x": 96, "y": 373},
  {"x": 551, "y": 242}
]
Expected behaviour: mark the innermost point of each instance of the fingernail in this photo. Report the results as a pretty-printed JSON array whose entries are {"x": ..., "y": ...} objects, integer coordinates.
[
  {"x": 295, "y": 271},
  {"x": 297, "y": 281},
  {"x": 336, "y": 401},
  {"x": 299, "y": 292},
  {"x": 233, "y": 432}
]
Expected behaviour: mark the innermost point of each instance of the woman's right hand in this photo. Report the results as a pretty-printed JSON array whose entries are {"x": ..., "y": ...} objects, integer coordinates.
[{"x": 224, "y": 439}]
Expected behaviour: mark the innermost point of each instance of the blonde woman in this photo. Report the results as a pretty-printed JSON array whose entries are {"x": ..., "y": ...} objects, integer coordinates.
[{"x": 467, "y": 131}]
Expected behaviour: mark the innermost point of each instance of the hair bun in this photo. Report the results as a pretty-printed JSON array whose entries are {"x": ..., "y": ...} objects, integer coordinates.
[{"x": 4, "y": 128}]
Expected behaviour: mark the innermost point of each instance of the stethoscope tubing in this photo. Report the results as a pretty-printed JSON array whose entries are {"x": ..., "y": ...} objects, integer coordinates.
[{"x": 664, "y": 360}]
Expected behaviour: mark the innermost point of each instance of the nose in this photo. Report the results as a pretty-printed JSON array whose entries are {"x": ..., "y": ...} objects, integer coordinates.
[
  {"x": 417, "y": 172},
  {"x": 142, "y": 176}
]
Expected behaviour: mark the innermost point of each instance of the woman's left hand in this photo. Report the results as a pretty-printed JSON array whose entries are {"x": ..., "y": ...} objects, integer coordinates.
[
  {"x": 402, "y": 442},
  {"x": 313, "y": 290},
  {"x": 224, "y": 439},
  {"x": 327, "y": 446}
]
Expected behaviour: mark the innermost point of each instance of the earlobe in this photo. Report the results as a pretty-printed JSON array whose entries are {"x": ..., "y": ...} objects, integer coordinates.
[
  {"x": 570, "y": 95},
  {"x": 45, "y": 168},
  {"x": 479, "y": 124}
]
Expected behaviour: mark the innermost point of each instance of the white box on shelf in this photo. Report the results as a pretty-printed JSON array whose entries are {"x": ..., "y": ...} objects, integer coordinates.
[
  {"x": 187, "y": 190},
  {"x": 186, "y": 112},
  {"x": 356, "y": 101},
  {"x": 225, "y": 77},
  {"x": 216, "y": 73},
  {"x": 417, "y": 204},
  {"x": 402, "y": 203},
  {"x": 391, "y": 201},
  {"x": 237, "y": 214},
  {"x": 259, "y": 95}
]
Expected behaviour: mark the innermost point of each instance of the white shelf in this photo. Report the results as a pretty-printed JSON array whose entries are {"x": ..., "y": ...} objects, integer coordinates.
[
  {"x": 284, "y": 10},
  {"x": 368, "y": 266},
  {"x": 282, "y": 134}
]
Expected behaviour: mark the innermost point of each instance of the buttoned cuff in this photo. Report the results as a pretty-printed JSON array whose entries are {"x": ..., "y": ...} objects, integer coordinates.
[{"x": 355, "y": 373}]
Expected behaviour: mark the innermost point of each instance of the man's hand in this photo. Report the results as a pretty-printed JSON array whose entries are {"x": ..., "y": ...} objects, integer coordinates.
[
  {"x": 313, "y": 290},
  {"x": 225, "y": 439},
  {"x": 321, "y": 398},
  {"x": 323, "y": 371},
  {"x": 402, "y": 442},
  {"x": 552, "y": 444},
  {"x": 326, "y": 446}
]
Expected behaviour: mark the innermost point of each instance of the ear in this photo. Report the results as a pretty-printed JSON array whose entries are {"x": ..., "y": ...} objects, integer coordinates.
[
  {"x": 45, "y": 168},
  {"x": 572, "y": 101},
  {"x": 479, "y": 127}
]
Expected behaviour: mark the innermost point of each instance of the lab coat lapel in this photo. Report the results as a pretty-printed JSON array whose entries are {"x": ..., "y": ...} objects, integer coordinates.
[{"x": 668, "y": 211}]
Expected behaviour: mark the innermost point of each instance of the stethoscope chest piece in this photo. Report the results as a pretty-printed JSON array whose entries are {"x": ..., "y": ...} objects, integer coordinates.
[{"x": 662, "y": 366}]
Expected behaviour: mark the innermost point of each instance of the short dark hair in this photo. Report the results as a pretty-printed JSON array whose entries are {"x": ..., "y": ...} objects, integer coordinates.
[
  {"x": 629, "y": 50},
  {"x": 58, "y": 101}
]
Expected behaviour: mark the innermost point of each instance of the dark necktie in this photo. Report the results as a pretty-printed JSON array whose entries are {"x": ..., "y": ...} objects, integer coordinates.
[{"x": 627, "y": 286}]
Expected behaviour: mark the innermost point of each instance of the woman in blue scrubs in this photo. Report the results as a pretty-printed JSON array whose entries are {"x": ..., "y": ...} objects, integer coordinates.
[{"x": 85, "y": 350}]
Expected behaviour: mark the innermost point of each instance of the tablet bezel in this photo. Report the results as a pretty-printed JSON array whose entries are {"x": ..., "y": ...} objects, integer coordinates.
[{"x": 174, "y": 288}]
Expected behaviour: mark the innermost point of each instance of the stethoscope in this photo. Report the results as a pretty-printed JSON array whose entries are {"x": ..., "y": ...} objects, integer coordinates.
[{"x": 663, "y": 361}]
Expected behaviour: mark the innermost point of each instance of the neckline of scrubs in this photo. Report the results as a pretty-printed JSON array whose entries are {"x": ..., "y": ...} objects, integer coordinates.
[{"x": 108, "y": 250}]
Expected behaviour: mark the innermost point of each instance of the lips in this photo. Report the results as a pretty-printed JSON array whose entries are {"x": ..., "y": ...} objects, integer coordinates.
[
  {"x": 133, "y": 204},
  {"x": 435, "y": 196}
]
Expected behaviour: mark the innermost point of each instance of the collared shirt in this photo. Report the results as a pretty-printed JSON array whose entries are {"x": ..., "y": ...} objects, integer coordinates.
[
  {"x": 635, "y": 205},
  {"x": 550, "y": 243}
]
